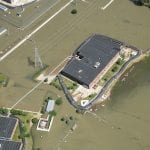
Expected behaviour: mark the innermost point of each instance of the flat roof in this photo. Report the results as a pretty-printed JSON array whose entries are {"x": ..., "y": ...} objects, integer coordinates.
[
  {"x": 90, "y": 58},
  {"x": 50, "y": 105},
  {"x": 7, "y": 125},
  {"x": 10, "y": 145}
]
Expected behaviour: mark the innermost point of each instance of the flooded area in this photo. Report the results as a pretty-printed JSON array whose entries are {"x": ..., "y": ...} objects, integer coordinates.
[{"x": 123, "y": 122}]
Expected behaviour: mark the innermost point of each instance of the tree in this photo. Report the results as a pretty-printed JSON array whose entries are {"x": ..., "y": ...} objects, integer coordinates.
[
  {"x": 58, "y": 101},
  {"x": 53, "y": 113},
  {"x": 62, "y": 119},
  {"x": 71, "y": 118},
  {"x": 3, "y": 111},
  {"x": 74, "y": 11},
  {"x": 35, "y": 120}
]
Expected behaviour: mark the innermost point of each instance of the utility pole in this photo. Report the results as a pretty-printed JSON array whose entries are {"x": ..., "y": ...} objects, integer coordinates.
[{"x": 37, "y": 59}]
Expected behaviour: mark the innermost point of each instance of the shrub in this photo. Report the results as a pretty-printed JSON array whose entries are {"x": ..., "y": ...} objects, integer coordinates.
[
  {"x": 59, "y": 101},
  {"x": 114, "y": 69},
  {"x": 71, "y": 118},
  {"x": 53, "y": 113},
  {"x": 62, "y": 119},
  {"x": 3, "y": 111},
  {"x": 18, "y": 112},
  {"x": 74, "y": 11},
  {"x": 35, "y": 120},
  {"x": 28, "y": 121}
]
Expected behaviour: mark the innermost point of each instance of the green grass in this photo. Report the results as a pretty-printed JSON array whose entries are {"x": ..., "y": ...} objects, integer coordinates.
[
  {"x": 91, "y": 96},
  {"x": 71, "y": 85},
  {"x": 113, "y": 70},
  {"x": 16, "y": 134},
  {"x": 25, "y": 119},
  {"x": 56, "y": 84},
  {"x": 3, "y": 80}
]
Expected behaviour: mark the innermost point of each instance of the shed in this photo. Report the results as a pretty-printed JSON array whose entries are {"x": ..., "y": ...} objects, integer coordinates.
[{"x": 50, "y": 105}]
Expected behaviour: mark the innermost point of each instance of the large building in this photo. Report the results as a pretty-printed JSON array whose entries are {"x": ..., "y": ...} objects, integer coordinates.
[
  {"x": 7, "y": 128},
  {"x": 10, "y": 145},
  {"x": 92, "y": 59}
]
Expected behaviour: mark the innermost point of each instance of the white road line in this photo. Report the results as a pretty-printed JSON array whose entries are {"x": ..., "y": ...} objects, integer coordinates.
[
  {"x": 38, "y": 84},
  {"x": 109, "y": 3},
  {"x": 34, "y": 31}
]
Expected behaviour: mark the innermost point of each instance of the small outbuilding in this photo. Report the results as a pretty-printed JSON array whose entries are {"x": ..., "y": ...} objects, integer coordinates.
[{"x": 50, "y": 105}]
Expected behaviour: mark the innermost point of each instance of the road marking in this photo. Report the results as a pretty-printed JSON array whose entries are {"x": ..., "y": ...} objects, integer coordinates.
[
  {"x": 18, "y": 101},
  {"x": 34, "y": 31},
  {"x": 109, "y": 3}
]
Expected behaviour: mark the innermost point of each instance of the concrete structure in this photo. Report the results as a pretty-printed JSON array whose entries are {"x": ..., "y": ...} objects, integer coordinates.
[
  {"x": 45, "y": 124},
  {"x": 92, "y": 59}
]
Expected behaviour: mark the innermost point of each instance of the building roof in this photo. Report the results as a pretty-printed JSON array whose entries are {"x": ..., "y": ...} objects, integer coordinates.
[
  {"x": 90, "y": 58},
  {"x": 7, "y": 126},
  {"x": 10, "y": 145},
  {"x": 50, "y": 105}
]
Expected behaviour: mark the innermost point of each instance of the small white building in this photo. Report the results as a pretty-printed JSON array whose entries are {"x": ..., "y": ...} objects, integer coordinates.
[
  {"x": 50, "y": 105},
  {"x": 15, "y": 3}
]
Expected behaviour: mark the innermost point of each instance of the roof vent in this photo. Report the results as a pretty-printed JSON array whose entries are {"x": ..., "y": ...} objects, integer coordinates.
[
  {"x": 80, "y": 71},
  {"x": 97, "y": 64}
]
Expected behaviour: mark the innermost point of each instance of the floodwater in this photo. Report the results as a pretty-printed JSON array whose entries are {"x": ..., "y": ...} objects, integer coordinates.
[{"x": 123, "y": 123}]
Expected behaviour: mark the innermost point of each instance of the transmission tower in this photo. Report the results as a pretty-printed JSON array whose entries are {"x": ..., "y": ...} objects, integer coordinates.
[{"x": 37, "y": 59}]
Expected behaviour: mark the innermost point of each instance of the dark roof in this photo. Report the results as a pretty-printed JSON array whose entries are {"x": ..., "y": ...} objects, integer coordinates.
[
  {"x": 7, "y": 125},
  {"x": 9, "y": 145},
  {"x": 90, "y": 58}
]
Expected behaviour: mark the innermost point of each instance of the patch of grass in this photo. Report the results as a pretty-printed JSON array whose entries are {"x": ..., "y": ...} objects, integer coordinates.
[
  {"x": 16, "y": 134},
  {"x": 25, "y": 130},
  {"x": 3, "y": 80},
  {"x": 56, "y": 84},
  {"x": 71, "y": 85},
  {"x": 113, "y": 70}
]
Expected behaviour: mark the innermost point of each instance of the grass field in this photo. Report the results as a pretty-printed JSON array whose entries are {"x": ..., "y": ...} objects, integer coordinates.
[{"x": 59, "y": 38}]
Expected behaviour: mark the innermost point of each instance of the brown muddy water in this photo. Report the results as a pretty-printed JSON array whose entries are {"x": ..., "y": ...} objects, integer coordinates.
[{"x": 122, "y": 123}]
